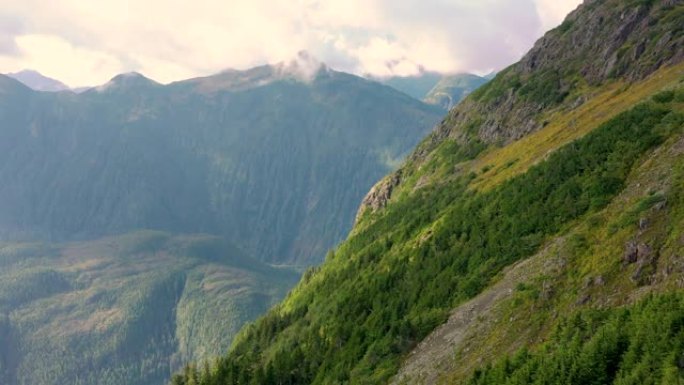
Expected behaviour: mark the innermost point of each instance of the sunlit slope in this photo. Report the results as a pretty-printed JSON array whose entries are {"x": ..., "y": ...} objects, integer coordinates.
[
  {"x": 609, "y": 259},
  {"x": 496, "y": 164}
]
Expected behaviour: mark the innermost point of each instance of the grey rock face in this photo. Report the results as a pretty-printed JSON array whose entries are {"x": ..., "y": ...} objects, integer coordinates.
[
  {"x": 586, "y": 45},
  {"x": 631, "y": 253},
  {"x": 379, "y": 195}
]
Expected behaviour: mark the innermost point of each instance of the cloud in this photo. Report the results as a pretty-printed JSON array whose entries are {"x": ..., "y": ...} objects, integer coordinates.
[
  {"x": 89, "y": 41},
  {"x": 9, "y": 29},
  {"x": 58, "y": 58},
  {"x": 7, "y": 46},
  {"x": 552, "y": 12}
]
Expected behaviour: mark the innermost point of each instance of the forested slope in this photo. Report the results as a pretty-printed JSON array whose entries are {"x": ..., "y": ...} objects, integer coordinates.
[
  {"x": 266, "y": 158},
  {"x": 128, "y": 309}
]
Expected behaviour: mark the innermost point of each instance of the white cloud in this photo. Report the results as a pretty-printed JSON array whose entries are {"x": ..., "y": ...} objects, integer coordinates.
[
  {"x": 87, "y": 42},
  {"x": 552, "y": 12},
  {"x": 58, "y": 58}
]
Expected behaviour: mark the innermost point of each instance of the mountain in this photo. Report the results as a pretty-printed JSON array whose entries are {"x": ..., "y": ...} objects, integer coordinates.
[
  {"x": 139, "y": 222},
  {"x": 451, "y": 89},
  {"x": 432, "y": 88},
  {"x": 36, "y": 81},
  {"x": 534, "y": 237},
  {"x": 268, "y": 159}
]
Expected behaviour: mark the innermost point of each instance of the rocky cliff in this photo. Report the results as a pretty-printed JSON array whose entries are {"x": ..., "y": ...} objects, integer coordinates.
[{"x": 599, "y": 43}]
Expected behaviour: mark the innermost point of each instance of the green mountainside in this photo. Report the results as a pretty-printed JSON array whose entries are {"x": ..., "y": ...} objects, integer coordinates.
[{"x": 535, "y": 236}]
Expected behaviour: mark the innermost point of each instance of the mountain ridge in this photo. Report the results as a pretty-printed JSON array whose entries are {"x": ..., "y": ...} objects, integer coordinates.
[
  {"x": 38, "y": 82},
  {"x": 443, "y": 90},
  {"x": 6, "y": 82}
]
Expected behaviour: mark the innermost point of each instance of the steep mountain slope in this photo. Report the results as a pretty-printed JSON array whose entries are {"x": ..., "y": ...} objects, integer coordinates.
[
  {"x": 588, "y": 266},
  {"x": 129, "y": 309},
  {"x": 266, "y": 158},
  {"x": 451, "y": 89},
  {"x": 602, "y": 97},
  {"x": 37, "y": 81}
]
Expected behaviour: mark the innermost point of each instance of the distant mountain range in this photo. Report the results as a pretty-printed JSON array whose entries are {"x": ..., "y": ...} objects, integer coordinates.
[
  {"x": 272, "y": 160},
  {"x": 430, "y": 87},
  {"x": 433, "y": 88},
  {"x": 417, "y": 86},
  {"x": 36, "y": 81}
]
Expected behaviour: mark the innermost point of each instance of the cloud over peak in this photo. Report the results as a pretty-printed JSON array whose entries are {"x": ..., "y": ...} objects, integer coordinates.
[{"x": 85, "y": 42}]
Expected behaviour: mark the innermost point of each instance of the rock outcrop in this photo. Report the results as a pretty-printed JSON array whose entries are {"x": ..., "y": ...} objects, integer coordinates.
[{"x": 601, "y": 41}]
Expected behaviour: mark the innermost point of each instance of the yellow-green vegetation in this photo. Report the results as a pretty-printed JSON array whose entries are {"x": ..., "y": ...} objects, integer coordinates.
[
  {"x": 594, "y": 272},
  {"x": 499, "y": 164},
  {"x": 495, "y": 164}
]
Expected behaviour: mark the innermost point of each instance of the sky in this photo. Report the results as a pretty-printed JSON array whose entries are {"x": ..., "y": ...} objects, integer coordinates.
[{"x": 87, "y": 42}]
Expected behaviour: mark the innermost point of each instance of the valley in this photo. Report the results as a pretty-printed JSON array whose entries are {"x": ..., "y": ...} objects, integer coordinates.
[{"x": 127, "y": 309}]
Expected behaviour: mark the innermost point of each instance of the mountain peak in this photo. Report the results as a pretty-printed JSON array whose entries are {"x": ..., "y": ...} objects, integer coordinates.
[
  {"x": 303, "y": 68},
  {"x": 127, "y": 80},
  {"x": 131, "y": 78},
  {"x": 38, "y": 82},
  {"x": 451, "y": 89}
]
